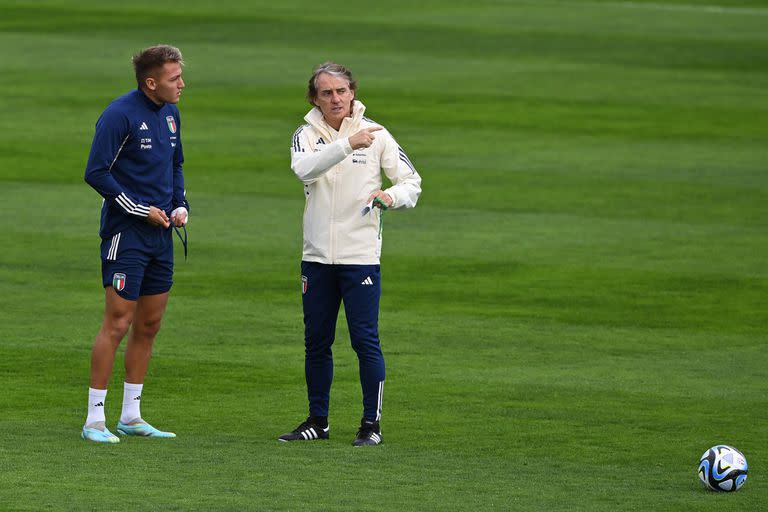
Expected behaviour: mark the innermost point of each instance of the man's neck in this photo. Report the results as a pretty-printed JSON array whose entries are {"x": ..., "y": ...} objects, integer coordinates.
[
  {"x": 332, "y": 126},
  {"x": 149, "y": 94}
]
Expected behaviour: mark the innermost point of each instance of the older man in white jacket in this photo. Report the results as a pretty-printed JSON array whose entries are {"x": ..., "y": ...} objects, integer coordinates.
[{"x": 339, "y": 155}]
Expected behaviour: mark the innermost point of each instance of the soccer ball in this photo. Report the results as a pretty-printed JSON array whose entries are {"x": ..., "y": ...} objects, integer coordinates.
[{"x": 723, "y": 468}]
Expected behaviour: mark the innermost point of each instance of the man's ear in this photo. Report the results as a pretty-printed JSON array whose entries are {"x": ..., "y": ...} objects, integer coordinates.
[{"x": 151, "y": 83}]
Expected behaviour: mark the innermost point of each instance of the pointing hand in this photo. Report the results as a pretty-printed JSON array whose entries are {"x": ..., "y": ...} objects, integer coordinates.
[{"x": 364, "y": 138}]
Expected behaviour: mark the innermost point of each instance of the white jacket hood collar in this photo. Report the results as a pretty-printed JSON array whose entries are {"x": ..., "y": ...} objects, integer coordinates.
[{"x": 349, "y": 126}]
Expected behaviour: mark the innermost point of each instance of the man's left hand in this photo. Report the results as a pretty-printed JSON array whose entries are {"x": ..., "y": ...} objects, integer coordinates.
[
  {"x": 383, "y": 197},
  {"x": 179, "y": 216}
]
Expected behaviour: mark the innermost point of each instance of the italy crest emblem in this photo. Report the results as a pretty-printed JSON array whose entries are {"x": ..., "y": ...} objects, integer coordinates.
[{"x": 118, "y": 281}]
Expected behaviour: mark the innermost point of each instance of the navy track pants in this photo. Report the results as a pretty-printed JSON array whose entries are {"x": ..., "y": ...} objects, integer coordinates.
[{"x": 324, "y": 287}]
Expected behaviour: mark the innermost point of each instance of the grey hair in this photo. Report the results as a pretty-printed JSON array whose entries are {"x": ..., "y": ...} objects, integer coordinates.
[{"x": 329, "y": 68}]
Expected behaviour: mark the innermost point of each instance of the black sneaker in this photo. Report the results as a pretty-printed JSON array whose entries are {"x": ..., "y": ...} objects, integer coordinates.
[
  {"x": 307, "y": 431},
  {"x": 369, "y": 434}
]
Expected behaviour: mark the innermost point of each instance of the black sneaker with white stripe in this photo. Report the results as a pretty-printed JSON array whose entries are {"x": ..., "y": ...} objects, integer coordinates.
[
  {"x": 307, "y": 431},
  {"x": 369, "y": 434}
]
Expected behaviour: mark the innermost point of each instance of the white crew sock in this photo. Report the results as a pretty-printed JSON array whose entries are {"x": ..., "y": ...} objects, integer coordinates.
[
  {"x": 96, "y": 399},
  {"x": 131, "y": 403}
]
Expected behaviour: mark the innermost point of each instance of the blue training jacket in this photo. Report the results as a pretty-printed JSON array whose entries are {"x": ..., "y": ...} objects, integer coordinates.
[{"x": 136, "y": 161}]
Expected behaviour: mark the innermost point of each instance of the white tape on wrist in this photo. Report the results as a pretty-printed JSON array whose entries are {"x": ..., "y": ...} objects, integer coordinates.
[{"x": 180, "y": 210}]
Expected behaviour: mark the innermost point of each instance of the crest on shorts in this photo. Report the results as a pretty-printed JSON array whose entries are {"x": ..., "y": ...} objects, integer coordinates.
[
  {"x": 171, "y": 123},
  {"x": 118, "y": 281},
  {"x": 304, "y": 284}
]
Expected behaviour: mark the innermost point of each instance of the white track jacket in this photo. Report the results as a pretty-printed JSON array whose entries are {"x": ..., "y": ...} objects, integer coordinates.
[{"x": 338, "y": 182}]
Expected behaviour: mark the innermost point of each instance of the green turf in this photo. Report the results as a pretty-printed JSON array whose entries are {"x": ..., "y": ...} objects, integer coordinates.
[{"x": 574, "y": 312}]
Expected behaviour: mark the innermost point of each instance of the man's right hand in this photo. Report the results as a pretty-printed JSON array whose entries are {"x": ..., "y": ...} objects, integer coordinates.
[
  {"x": 157, "y": 217},
  {"x": 364, "y": 138}
]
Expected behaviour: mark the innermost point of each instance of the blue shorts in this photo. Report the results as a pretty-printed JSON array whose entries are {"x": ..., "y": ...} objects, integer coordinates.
[{"x": 138, "y": 261}]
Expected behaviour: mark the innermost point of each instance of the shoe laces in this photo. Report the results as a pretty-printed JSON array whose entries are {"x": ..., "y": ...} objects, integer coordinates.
[
  {"x": 307, "y": 425},
  {"x": 366, "y": 429},
  {"x": 304, "y": 426}
]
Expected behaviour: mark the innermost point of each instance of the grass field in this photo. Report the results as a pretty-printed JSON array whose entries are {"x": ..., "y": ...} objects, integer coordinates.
[{"x": 574, "y": 312}]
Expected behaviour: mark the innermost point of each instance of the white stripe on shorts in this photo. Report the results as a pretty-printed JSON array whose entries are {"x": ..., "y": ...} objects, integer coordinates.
[{"x": 112, "y": 254}]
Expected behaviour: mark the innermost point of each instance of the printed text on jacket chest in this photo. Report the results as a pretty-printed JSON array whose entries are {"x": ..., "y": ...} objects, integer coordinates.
[
  {"x": 146, "y": 143},
  {"x": 145, "y": 134},
  {"x": 359, "y": 157}
]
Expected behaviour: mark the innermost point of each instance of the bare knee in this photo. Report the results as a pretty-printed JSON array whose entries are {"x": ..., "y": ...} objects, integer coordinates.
[
  {"x": 116, "y": 326},
  {"x": 118, "y": 315},
  {"x": 147, "y": 328}
]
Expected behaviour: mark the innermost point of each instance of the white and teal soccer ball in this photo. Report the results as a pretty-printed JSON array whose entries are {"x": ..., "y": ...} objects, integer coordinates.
[{"x": 723, "y": 468}]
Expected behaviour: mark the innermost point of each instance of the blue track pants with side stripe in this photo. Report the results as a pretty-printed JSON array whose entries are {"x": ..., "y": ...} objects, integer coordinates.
[{"x": 324, "y": 288}]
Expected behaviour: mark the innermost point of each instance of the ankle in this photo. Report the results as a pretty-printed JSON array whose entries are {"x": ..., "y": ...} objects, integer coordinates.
[{"x": 320, "y": 421}]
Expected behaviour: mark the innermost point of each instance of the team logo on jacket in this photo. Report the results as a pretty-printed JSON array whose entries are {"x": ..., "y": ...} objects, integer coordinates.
[
  {"x": 118, "y": 281},
  {"x": 304, "y": 284},
  {"x": 171, "y": 123}
]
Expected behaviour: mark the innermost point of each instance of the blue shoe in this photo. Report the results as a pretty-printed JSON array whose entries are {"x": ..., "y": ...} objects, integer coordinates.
[
  {"x": 99, "y": 436},
  {"x": 141, "y": 430}
]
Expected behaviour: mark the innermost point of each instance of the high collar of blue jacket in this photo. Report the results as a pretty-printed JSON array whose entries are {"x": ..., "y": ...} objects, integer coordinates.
[
  {"x": 142, "y": 96},
  {"x": 349, "y": 126}
]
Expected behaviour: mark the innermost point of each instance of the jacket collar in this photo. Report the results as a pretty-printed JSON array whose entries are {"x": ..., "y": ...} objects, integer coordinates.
[
  {"x": 349, "y": 125},
  {"x": 148, "y": 102}
]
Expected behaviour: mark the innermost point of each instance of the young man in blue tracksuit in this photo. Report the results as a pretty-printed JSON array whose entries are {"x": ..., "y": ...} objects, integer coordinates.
[
  {"x": 135, "y": 164},
  {"x": 339, "y": 155}
]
